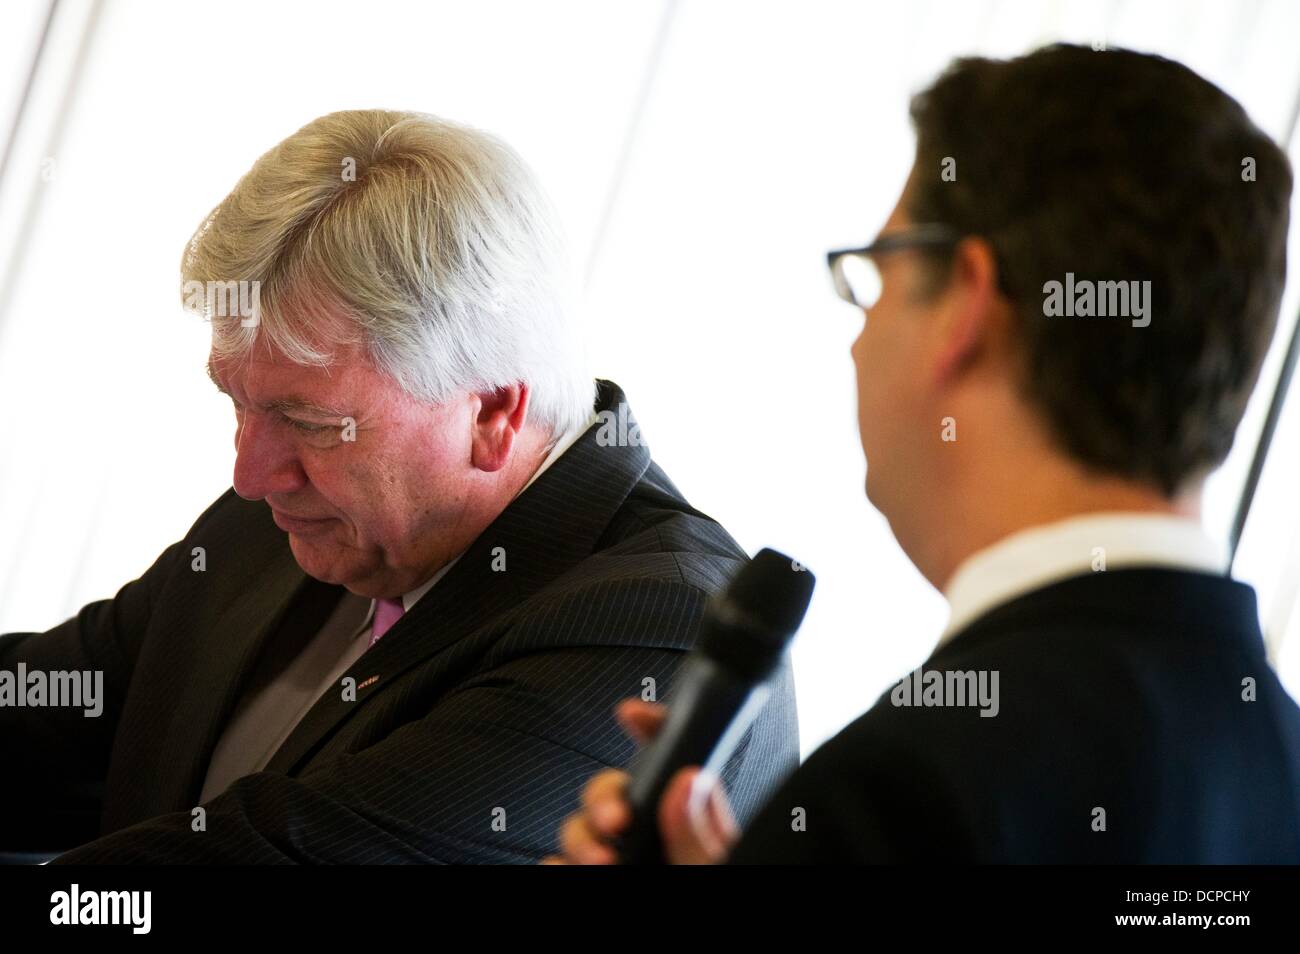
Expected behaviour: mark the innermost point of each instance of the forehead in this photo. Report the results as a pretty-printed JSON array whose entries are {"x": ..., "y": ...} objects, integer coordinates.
[{"x": 264, "y": 374}]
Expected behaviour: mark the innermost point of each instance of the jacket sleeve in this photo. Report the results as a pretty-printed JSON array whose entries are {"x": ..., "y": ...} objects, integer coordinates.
[
  {"x": 53, "y": 799},
  {"x": 859, "y": 799}
]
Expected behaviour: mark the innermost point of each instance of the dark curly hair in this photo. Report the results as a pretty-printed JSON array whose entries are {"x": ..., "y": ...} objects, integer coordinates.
[{"x": 1117, "y": 166}]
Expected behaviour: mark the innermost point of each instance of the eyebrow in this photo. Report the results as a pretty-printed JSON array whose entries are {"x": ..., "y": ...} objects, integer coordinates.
[{"x": 283, "y": 405}]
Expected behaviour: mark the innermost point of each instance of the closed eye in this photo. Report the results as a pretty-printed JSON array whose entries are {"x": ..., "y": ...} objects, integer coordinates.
[{"x": 308, "y": 428}]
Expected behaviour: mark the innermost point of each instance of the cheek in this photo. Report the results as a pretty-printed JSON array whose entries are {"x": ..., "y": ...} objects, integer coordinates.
[
  {"x": 397, "y": 474},
  {"x": 376, "y": 492},
  {"x": 343, "y": 482},
  {"x": 888, "y": 386}
]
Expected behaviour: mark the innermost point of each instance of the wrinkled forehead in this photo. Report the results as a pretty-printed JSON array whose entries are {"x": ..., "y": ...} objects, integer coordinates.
[
  {"x": 297, "y": 328},
  {"x": 265, "y": 375}
]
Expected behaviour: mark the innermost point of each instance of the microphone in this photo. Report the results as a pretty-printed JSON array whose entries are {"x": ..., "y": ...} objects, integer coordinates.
[{"x": 723, "y": 685}]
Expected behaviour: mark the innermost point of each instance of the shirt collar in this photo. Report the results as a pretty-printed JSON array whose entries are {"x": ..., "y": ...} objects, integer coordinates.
[{"x": 1033, "y": 558}]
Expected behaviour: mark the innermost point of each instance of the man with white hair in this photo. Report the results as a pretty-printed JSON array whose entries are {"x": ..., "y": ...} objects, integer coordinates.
[{"x": 446, "y": 553}]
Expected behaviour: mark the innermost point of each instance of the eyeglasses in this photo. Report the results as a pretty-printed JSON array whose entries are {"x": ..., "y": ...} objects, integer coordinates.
[{"x": 857, "y": 275}]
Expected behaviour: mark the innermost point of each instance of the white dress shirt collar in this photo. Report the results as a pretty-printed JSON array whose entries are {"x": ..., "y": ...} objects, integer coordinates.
[{"x": 1033, "y": 558}]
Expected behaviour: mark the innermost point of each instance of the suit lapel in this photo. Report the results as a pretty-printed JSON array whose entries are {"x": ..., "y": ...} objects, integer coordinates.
[
  {"x": 548, "y": 529},
  {"x": 229, "y": 648}
]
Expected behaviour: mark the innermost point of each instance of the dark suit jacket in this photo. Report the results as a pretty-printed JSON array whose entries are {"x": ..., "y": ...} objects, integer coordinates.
[
  {"x": 1120, "y": 690},
  {"x": 477, "y": 719}
]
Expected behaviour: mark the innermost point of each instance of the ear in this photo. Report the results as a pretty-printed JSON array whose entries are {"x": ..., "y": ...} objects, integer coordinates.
[
  {"x": 499, "y": 416},
  {"x": 971, "y": 311}
]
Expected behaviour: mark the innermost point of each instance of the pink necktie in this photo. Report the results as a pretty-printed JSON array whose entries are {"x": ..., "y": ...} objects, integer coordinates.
[{"x": 387, "y": 612}]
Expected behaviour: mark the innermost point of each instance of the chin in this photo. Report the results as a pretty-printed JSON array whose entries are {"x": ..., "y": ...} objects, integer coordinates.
[
  {"x": 871, "y": 485},
  {"x": 322, "y": 563},
  {"x": 885, "y": 502}
]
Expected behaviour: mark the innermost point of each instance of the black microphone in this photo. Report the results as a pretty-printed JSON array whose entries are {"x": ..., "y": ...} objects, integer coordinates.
[{"x": 723, "y": 685}]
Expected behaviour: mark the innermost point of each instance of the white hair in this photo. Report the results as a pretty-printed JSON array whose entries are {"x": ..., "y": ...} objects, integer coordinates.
[{"x": 433, "y": 240}]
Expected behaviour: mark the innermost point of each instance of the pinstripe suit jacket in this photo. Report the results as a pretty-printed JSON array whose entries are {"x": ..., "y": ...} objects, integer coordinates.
[{"x": 476, "y": 719}]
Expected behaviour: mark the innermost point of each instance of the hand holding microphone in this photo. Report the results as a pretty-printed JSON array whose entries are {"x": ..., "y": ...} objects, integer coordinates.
[
  {"x": 694, "y": 816},
  {"x": 667, "y": 808}
]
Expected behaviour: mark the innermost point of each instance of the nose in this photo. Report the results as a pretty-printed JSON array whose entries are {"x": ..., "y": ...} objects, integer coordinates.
[{"x": 265, "y": 463}]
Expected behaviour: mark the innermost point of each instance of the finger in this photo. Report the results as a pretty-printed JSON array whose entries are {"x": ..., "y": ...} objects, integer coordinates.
[
  {"x": 552, "y": 860},
  {"x": 581, "y": 846},
  {"x": 722, "y": 819},
  {"x": 639, "y": 719},
  {"x": 710, "y": 813},
  {"x": 687, "y": 840},
  {"x": 603, "y": 804}
]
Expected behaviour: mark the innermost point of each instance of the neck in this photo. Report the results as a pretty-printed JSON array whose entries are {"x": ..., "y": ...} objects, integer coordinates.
[
  {"x": 497, "y": 489},
  {"x": 1002, "y": 491},
  {"x": 531, "y": 452}
]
